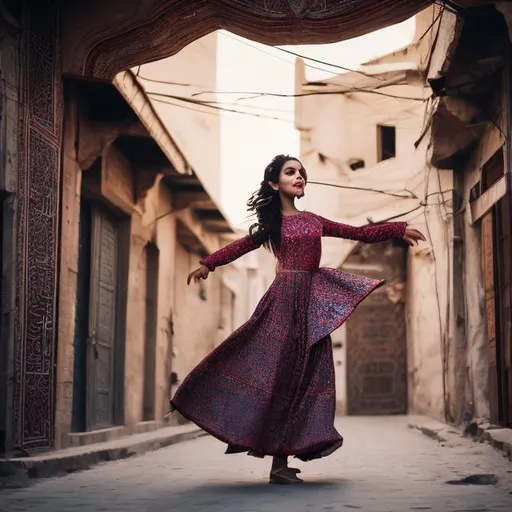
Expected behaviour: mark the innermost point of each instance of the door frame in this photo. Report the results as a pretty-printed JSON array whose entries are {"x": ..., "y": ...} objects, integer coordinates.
[
  {"x": 123, "y": 246},
  {"x": 150, "y": 332}
]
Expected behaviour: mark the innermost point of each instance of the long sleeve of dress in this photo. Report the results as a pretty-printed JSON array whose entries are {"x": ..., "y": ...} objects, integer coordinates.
[
  {"x": 370, "y": 233},
  {"x": 229, "y": 253}
]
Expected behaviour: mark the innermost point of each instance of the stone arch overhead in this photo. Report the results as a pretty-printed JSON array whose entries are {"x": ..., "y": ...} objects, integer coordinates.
[{"x": 149, "y": 30}]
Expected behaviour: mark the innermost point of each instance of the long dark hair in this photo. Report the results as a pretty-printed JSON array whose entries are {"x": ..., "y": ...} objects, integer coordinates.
[{"x": 265, "y": 205}]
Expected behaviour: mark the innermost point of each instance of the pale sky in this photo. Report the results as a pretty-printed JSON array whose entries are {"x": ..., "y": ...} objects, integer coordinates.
[{"x": 249, "y": 143}]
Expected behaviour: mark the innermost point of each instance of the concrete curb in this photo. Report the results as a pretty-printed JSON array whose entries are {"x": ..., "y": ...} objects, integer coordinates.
[
  {"x": 18, "y": 472},
  {"x": 498, "y": 438},
  {"x": 434, "y": 429}
]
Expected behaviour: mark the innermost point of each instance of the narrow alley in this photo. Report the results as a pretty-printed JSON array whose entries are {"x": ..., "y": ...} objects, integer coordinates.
[
  {"x": 385, "y": 466},
  {"x": 237, "y": 220}
]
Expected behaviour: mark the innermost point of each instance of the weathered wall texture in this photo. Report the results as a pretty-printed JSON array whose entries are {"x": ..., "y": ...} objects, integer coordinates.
[
  {"x": 477, "y": 345},
  {"x": 427, "y": 296},
  {"x": 197, "y": 315},
  {"x": 195, "y": 130},
  {"x": 9, "y": 108},
  {"x": 335, "y": 129},
  {"x": 190, "y": 321}
]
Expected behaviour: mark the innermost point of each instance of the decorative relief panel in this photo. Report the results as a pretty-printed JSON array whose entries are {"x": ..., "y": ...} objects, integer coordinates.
[
  {"x": 37, "y": 236},
  {"x": 172, "y": 24}
]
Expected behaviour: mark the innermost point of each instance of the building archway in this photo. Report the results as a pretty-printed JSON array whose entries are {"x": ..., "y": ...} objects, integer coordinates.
[{"x": 108, "y": 37}]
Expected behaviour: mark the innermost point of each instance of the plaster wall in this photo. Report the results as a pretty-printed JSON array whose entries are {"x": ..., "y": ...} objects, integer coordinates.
[
  {"x": 171, "y": 84},
  {"x": 338, "y": 128}
]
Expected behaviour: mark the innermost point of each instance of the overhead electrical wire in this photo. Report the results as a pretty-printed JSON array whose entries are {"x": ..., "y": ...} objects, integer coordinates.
[
  {"x": 336, "y": 66},
  {"x": 303, "y": 57},
  {"x": 217, "y": 108},
  {"x": 245, "y": 105},
  {"x": 431, "y": 26},
  {"x": 255, "y": 94},
  {"x": 364, "y": 189}
]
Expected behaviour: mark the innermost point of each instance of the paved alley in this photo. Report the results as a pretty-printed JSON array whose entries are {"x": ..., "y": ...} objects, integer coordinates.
[{"x": 383, "y": 467}]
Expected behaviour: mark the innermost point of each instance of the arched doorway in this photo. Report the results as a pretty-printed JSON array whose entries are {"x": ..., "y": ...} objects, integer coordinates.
[
  {"x": 96, "y": 40},
  {"x": 376, "y": 367}
]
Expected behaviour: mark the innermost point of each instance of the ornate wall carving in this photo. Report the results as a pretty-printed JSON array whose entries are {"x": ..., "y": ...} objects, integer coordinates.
[
  {"x": 163, "y": 27},
  {"x": 37, "y": 231},
  {"x": 125, "y": 37}
]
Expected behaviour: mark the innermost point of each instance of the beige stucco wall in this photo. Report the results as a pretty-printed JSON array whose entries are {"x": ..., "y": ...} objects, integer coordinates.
[
  {"x": 477, "y": 347},
  {"x": 428, "y": 292},
  {"x": 158, "y": 204},
  {"x": 195, "y": 129},
  {"x": 337, "y": 128},
  {"x": 187, "y": 326},
  {"x": 135, "y": 324},
  {"x": 197, "y": 314}
]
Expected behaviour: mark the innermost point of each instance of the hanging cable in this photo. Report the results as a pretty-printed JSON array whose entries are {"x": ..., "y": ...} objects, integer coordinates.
[
  {"x": 364, "y": 189},
  {"x": 305, "y": 58},
  {"x": 431, "y": 26},
  {"x": 217, "y": 108},
  {"x": 343, "y": 68},
  {"x": 256, "y": 94}
]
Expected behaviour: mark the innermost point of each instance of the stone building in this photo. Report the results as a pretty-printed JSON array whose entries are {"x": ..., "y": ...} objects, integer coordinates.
[
  {"x": 470, "y": 75},
  {"x": 56, "y": 56},
  {"x": 357, "y": 134},
  {"x": 429, "y": 123}
]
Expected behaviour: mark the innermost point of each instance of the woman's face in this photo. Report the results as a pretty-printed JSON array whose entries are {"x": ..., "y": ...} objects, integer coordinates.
[{"x": 292, "y": 179}]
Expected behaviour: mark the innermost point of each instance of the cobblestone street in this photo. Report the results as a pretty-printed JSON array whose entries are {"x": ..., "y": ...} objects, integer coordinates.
[{"x": 384, "y": 466}]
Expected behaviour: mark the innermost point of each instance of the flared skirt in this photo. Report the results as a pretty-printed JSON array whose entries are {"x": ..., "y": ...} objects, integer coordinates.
[{"x": 269, "y": 389}]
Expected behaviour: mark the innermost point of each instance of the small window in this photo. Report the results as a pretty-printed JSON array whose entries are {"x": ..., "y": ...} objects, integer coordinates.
[
  {"x": 386, "y": 142},
  {"x": 356, "y": 163}
]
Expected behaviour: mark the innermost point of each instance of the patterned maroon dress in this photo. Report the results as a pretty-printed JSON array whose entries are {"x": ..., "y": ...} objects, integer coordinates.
[{"x": 269, "y": 388}]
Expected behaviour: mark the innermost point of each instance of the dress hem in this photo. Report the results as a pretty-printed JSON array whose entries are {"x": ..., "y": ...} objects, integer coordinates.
[
  {"x": 316, "y": 451},
  {"x": 304, "y": 455}
]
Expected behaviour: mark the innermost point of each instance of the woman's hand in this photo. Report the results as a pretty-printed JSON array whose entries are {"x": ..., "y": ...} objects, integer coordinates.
[
  {"x": 199, "y": 273},
  {"x": 413, "y": 236}
]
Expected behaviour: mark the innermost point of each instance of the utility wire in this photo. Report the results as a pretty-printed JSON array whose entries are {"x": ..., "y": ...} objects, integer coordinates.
[
  {"x": 216, "y": 108},
  {"x": 343, "y": 68},
  {"x": 364, "y": 189},
  {"x": 245, "y": 105},
  {"x": 431, "y": 26},
  {"x": 278, "y": 57},
  {"x": 303, "y": 57},
  {"x": 256, "y": 94}
]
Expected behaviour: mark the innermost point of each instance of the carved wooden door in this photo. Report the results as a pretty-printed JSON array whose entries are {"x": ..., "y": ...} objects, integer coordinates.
[
  {"x": 496, "y": 250},
  {"x": 504, "y": 321},
  {"x": 376, "y": 357},
  {"x": 102, "y": 320}
]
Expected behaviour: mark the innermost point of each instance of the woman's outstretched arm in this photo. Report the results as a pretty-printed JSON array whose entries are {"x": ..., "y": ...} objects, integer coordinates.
[
  {"x": 370, "y": 233},
  {"x": 223, "y": 256},
  {"x": 230, "y": 253}
]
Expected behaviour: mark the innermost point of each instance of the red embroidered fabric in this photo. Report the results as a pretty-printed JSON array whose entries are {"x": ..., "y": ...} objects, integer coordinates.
[
  {"x": 303, "y": 232},
  {"x": 269, "y": 388}
]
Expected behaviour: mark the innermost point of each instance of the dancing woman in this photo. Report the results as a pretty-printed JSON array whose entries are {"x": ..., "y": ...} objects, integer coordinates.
[{"x": 269, "y": 388}]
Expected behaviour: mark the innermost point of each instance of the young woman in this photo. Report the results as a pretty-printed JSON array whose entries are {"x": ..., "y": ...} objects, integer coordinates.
[{"x": 269, "y": 388}]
